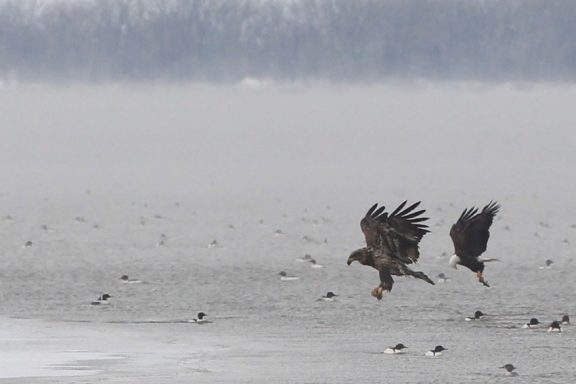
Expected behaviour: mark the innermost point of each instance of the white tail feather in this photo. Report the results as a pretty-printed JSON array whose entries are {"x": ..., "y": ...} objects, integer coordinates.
[{"x": 487, "y": 260}]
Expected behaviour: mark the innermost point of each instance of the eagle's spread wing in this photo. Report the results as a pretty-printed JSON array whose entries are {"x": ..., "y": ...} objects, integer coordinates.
[
  {"x": 396, "y": 234},
  {"x": 470, "y": 233}
]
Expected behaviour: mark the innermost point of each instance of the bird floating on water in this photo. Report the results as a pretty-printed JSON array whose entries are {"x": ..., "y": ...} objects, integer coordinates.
[
  {"x": 328, "y": 297},
  {"x": 285, "y": 277},
  {"x": 547, "y": 264},
  {"x": 314, "y": 264},
  {"x": 200, "y": 319},
  {"x": 533, "y": 323},
  {"x": 102, "y": 300},
  {"x": 477, "y": 316},
  {"x": 391, "y": 243},
  {"x": 306, "y": 258},
  {"x": 437, "y": 351},
  {"x": 442, "y": 278},
  {"x": 162, "y": 241},
  {"x": 554, "y": 327},
  {"x": 509, "y": 370},
  {"x": 565, "y": 320},
  {"x": 126, "y": 280},
  {"x": 398, "y": 349},
  {"x": 470, "y": 237}
]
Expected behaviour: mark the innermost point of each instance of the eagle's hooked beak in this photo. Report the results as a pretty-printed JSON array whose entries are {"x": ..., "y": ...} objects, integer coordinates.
[
  {"x": 454, "y": 260},
  {"x": 351, "y": 259}
]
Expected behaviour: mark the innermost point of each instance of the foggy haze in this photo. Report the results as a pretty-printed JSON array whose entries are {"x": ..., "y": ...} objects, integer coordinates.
[{"x": 214, "y": 140}]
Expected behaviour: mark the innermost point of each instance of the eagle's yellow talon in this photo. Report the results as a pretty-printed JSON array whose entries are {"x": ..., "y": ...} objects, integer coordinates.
[
  {"x": 378, "y": 292},
  {"x": 480, "y": 277}
]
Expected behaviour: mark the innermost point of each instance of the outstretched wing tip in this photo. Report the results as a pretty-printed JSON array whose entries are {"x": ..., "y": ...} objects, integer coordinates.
[
  {"x": 406, "y": 214},
  {"x": 372, "y": 209},
  {"x": 492, "y": 208}
]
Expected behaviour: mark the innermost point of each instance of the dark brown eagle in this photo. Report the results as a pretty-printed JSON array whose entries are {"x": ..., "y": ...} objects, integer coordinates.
[
  {"x": 392, "y": 242},
  {"x": 470, "y": 237}
]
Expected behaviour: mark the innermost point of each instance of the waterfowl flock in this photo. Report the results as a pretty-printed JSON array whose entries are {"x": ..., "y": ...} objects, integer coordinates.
[
  {"x": 392, "y": 245},
  {"x": 392, "y": 248},
  {"x": 392, "y": 241}
]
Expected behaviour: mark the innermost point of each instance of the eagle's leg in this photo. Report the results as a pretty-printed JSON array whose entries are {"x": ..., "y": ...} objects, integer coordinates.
[
  {"x": 386, "y": 283},
  {"x": 481, "y": 278}
]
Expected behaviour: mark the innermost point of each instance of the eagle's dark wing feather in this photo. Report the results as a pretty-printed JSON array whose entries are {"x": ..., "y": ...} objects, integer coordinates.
[
  {"x": 369, "y": 227},
  {"x": 407, "y": 222},
  {"x": 396, "y": 234},
  {"x": 470, "y": 234}
]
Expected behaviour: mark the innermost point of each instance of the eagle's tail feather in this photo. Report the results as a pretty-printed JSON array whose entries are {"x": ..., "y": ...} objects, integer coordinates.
[
  {"x": 418, "y": 275},
  {"x": 422, "y": 275},
  {"x": 487, "y": 260}
]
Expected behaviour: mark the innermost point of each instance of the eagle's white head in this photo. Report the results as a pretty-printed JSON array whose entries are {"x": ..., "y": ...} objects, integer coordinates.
[{"x": 454, "y": 260}]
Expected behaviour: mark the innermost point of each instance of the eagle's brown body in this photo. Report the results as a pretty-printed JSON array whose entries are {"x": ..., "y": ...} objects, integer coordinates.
[{"x": 392, "y": 243}]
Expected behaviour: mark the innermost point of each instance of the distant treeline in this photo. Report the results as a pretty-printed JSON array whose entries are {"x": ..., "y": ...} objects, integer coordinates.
[{"x": 226, "y": 40}]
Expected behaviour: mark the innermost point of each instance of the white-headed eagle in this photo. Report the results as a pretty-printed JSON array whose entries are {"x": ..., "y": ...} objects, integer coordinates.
[
  {"x": 470, "y": 237},
  {"x": 392, "y": 242}
]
